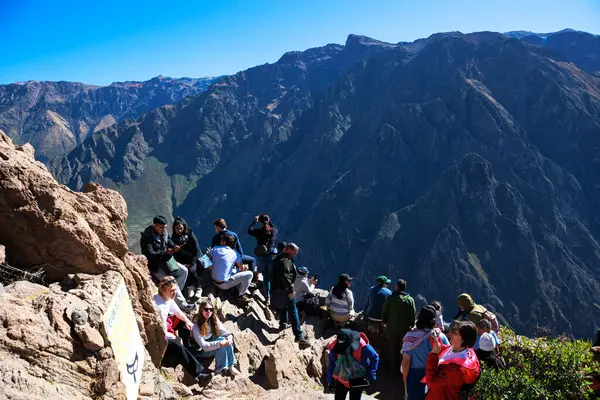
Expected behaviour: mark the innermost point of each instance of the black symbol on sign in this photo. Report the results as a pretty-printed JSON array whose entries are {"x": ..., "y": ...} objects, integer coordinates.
[{"x": 133, "y": 367}]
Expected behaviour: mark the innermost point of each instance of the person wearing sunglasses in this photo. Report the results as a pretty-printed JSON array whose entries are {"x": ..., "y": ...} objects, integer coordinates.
[
  {"x": 214, "y": 340},
  {"x": 176, "y": 354}
]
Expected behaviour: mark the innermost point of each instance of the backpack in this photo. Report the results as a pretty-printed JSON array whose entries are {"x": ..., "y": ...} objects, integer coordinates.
[
  {"x": 490, "y": 316},
  {"x": 347, "y": 367}
]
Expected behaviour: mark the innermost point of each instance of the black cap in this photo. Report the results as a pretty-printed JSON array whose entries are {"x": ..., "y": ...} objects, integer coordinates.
[
  {"x": 160, "y": 220},
  {"x": 346, "y": 338},
  {"x": 345, "y": 278}
]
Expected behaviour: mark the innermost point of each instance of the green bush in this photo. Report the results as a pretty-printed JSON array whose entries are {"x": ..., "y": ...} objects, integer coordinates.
[{"x": 538, "y": 369}]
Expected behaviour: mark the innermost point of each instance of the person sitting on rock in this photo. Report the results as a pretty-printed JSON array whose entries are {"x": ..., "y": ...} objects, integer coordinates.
[
  {"x": 176, "y": 354},
  {"x": 221, "y": 230},
  {"x": 451, "y": 371},
  {"x": 304, "y": 286},
  {"x": 352, "y": 364},
  {"x": 188, "y": 255},
  {"x": 265, "y": 232},
  {"x": 284, "y": 276},
  {"x": 224, "y": 259},
  {"x": 340, "y": 301},
  {"x": 214, "y": 340},
  {"x": 375, "y": 300},
  {"x": 158, "y": 248},
  {"x": 416, "y": 346}
]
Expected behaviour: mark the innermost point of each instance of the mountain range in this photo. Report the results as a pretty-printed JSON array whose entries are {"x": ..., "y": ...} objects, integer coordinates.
[
  {"x": 57, "y": 116},
  {"x": 460, "y": 162}
]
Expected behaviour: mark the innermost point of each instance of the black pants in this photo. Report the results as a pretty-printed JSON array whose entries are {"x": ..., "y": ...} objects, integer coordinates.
[
  {"x": 341, "y": 391},
  {"x": 176, "y": 354},
  {"x": 394, "y": 342}
]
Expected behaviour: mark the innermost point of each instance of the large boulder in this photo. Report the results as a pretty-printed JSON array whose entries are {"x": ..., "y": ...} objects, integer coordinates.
[
  {"x": 52, "y": 341},
  {"x": 67, "y": 232}
]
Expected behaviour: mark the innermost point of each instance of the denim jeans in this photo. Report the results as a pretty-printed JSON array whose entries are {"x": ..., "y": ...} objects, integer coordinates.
[
  {"x": 224, "y": 356},
  {"x": 414, "y": 387},
  {"x": 292, "y": 311},
  {"x": 251, "y": 261},
  {"x": 265, "y": 267}
]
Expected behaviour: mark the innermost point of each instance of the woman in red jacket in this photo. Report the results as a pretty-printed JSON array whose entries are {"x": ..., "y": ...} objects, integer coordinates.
[{"x": 450, "y": 369}]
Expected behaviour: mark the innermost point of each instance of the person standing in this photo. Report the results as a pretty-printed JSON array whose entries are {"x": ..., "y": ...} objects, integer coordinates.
[
  {"x": 375, "y": 300},
  {"x": 352, "y": 365},
  {"x": 265, "y": 232},
  {"x": 398, "y": 317},
  {"x": 284, "y": 276}
]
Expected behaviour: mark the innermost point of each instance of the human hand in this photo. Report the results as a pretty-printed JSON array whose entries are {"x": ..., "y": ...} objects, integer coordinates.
[
  {"x": 436, "y": 347},
  {"x": 176, "y": 248},
  {"x": 256, "y": 218},
  {"x": 384, "y": 324},
  {"x": 224, "y": 343},
  {"x": 189, "y": 325},
  {"x": 313, "y": 280},
  {"x": 169, "y": 251},
  {"x": 171, "y": 336}
]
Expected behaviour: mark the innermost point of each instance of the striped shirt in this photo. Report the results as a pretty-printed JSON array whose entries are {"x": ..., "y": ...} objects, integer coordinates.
[{"x": 345, "y": 305}]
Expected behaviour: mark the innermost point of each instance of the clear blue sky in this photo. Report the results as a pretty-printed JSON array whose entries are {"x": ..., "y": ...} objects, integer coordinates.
[{"x": 101, "y": 41}]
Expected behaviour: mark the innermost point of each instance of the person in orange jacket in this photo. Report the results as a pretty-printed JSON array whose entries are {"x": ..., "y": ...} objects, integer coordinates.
[{"x": 451, "y": 370}]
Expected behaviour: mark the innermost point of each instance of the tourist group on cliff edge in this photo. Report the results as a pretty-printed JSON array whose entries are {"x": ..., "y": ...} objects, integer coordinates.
[{"x": 436, "y": 360}]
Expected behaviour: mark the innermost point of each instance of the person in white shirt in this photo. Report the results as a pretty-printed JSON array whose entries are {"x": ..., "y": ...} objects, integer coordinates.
[
  {"x": 340, "y": 301},
  {"x": 214, "y": 340},
  {"x": 224, "y": 259},
  {"x": 176, "y": 353}
]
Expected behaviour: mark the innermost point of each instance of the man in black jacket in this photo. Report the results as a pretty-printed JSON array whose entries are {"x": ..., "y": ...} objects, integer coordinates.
[
  {"x": 158, "y": 248},
  {"x": 284, "y": 276}
]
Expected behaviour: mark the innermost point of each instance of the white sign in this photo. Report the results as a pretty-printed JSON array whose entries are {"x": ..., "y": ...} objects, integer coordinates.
[{"x": 125, "y": 340}]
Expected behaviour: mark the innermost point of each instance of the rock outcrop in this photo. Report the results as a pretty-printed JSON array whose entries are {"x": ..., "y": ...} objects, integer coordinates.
[{"x": 64, "y": 232}]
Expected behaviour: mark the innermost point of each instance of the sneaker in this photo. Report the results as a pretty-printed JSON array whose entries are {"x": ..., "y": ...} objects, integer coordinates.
[
  {"x": 188, "y": 308},
  {"x": 189, "y": 293},
  {"x": 198, "y": 293},
  {"x": 203, "y": 379},
  {"x": 220, "y": 371},
  {"x": 233, "y": 371},
  {"x": 245, "y": 299},
  {"x": 284, "y": 326}
]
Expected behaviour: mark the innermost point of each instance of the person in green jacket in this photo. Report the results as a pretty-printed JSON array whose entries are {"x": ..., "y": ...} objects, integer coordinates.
[
  {"x": 469, "y": 310},
  {"x": 398, "y": 317}
]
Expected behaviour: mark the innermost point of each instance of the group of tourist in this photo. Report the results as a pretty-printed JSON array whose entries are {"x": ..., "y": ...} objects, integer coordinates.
[{"x": 433, "y": 357}]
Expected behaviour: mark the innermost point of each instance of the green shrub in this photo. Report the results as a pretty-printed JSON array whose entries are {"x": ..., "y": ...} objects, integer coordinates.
[{"x": 538, "y": 369}]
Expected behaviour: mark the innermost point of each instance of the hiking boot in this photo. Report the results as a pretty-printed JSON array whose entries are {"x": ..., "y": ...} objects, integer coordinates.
[
  {"x": 203, "y": 379},
  {"x": 244, "y": 300},
  {"x": 303, "y": 342}
]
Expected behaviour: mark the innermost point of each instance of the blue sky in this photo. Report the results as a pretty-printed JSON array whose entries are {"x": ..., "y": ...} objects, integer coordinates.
[{"x": 100, "y": 42}]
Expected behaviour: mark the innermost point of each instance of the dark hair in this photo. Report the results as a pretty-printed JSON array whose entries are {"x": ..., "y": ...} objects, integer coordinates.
[
  {"x": 340, "y": 288},
  {"x": 220, "y": 223},
  {"x": 281, "y": 247},
  {"x": 266, "y": 221},
  {"x": 228, "y": 240},
  {"x": 437, "y": 305},
  {"x": 159, "y": 220},
  {"x": 467, "y": 331},
  {"x": 484, "y": 324},
  {"x": 401, "y": 285}
]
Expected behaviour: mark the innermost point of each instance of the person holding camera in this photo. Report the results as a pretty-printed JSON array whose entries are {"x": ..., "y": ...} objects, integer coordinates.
[
  {"x": 188, "y": 255},
  {"x": 265, "y": 232},
  {"x": 303, "y": 287},
  {"x": 352, "y": 364}
]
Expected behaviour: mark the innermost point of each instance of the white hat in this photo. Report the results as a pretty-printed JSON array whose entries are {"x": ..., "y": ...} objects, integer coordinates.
[{"x": 487, "y": 342}]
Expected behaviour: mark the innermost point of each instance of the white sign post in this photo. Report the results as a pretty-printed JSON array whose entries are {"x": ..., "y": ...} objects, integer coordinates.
[{"x": 125, "y": 340}]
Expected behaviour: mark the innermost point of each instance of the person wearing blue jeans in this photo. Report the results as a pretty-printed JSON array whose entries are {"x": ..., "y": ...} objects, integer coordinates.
[
  {"x": 265, "y": 233},
  {"x": 265, "y": 267},
  {"x": 284, "y": 276},
  {"x": 214, "y": 340}
]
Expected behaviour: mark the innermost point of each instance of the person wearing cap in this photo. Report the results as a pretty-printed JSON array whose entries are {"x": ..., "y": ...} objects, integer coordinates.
[
  {"x": 340, "y": 301},
  {"x": 352, "y": 364},
  {"x": 284, "y": 276},
  {"x": 158, "y": 248},
  {"x": 398, "y": 317},
  {"x": 486, "y": 353},
  {"x": 416, "y": 346},
  {"x": 304, "y": 286},
  {"x": 375, "y": 299}
]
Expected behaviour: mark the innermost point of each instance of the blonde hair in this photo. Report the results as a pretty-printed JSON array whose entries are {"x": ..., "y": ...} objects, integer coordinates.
[{"x": 166, "y": 283}]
